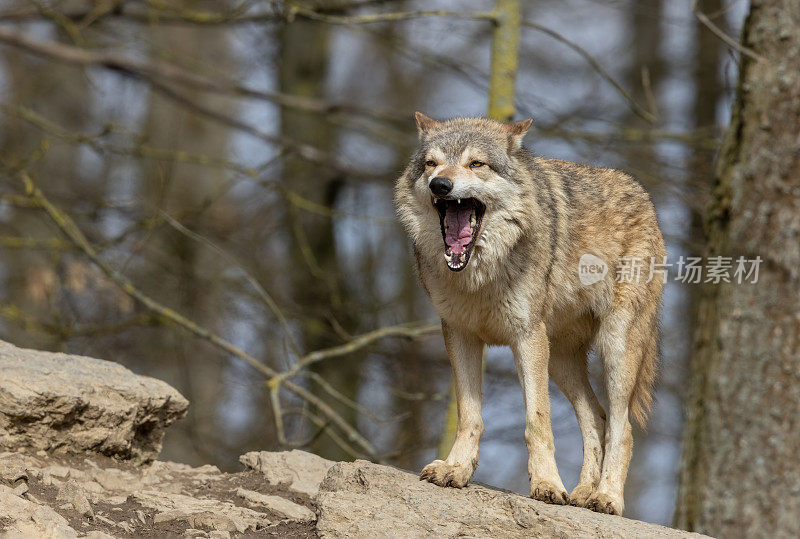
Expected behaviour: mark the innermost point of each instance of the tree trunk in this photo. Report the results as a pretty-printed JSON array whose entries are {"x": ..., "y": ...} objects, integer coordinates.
[
  {"x": 191, "y": 284},
  {"x": 317, "y": 282},
  {"x": 708, "y": 89},
  {"x": 741, "y": 473}
]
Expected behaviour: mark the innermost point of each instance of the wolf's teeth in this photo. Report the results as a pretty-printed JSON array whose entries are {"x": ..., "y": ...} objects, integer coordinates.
[
  {"x": 459, "y": 201},
  {"x": 448, "y": 257},
  {"x": 472, "y": 220},
  {"x": 463, "y": 257}
]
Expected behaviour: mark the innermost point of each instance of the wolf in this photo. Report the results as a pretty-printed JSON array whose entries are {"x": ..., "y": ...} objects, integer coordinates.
[{"x": 499, "y": 236}]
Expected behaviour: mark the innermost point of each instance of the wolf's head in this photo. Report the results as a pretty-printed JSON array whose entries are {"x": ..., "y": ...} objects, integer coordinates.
[{"x": 466, "y": 176}]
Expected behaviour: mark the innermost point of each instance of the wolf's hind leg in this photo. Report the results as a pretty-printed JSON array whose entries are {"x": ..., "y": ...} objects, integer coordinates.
[
  {"x": 625, "y": 340},
  {"x": 531, "y": 355},
  {"x": 568, "y": 369},
  {"x": 466, "y": 355}
]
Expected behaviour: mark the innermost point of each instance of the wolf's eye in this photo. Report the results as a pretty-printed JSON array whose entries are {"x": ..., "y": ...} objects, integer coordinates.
[
  {"x": 476, "y": 164},
  {"x": 430, "y": 163}
]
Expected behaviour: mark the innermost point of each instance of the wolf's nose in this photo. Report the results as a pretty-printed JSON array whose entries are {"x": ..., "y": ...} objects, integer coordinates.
[{"x": 441, "y": 186}]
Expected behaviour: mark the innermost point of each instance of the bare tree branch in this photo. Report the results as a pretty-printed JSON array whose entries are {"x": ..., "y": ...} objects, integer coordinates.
[
  {"x": 262, "y": 293},
  {"x": 409, "y": 331},
  {"x": 728, "y": 40},
  {"x": 139, "y": 150},
  {"x": 150, "y": 70},
  {"x": 11, "y": 312},
  {"x": 73, "y": 233},
  {"x": 634, "y": 105},
  {"x": 296, "y": 10},
  {"x": 49, "y": 244},
  {"x": 164, "y": 13}
]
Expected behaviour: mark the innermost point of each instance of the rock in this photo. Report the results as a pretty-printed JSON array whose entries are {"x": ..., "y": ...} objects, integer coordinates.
[
  {"x": 61, "y": 402},
  {"x": 104, "y": 520},
  {"x": 201, "y": 513},
  {"x": 97, "y": 534},
  {"x": 362, "y": 499},
  {"x": 355, "y": 500},
  {"x": 22, "y": 518},
  {"x": 115, "y": 480},
  {"x": 54, "y": 403},
  {"x": 297, "y": 471},
  {"x": 126, "y": 526},
  {"x": 21, "y": 489},
  {"x": 280, "y": 506},
  {"x": 154, "y": 497},
  {"x": 13, "y": 472},
  {"x": 72, "y": 493}
]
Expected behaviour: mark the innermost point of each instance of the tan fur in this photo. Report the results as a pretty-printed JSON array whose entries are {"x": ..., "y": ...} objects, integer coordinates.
[{"x": 521, "y": 288}]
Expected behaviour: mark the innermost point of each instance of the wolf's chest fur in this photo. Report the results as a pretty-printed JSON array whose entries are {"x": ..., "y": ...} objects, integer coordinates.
[
  {"x": 499, "y": 304},
  {"x": 500, "y": 310},
  {"x": 495, "y": 313}
]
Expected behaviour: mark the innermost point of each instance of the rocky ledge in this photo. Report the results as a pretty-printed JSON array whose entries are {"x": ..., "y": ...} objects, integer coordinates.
[
  {"x": 75, "y": 404},
  {"x": 78, "y": 443}
]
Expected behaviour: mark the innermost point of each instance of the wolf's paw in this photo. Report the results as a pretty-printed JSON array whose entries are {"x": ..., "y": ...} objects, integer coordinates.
[
  {"x": 580, "y": 495},
  {"x": 605, "y": 503},
  {"x": 440, "y": 473},
  {"x": 548, "y": 492}
]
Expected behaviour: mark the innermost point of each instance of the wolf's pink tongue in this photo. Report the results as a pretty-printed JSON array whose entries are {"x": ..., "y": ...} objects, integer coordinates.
[{"x": 457, "y": 234}]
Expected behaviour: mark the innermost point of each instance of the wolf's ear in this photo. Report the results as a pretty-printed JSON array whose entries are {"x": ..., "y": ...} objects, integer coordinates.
[
  {"x": 424, "y": 124},
  {"x": 518, "y": 131}
]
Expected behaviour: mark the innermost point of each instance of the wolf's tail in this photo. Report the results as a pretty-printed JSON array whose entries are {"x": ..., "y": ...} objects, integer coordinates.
[{"x": 642, "y": 396}]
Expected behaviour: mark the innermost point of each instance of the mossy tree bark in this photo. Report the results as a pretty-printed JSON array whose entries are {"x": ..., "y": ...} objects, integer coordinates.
[{"x": 740, "y": 474}]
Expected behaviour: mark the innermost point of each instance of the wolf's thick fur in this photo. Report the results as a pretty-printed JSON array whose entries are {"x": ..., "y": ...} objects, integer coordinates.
[{"x": 521, "y": 288}]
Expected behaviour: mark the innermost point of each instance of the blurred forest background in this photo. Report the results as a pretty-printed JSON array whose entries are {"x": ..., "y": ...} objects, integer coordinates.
[{"x": 202, "y": 191}]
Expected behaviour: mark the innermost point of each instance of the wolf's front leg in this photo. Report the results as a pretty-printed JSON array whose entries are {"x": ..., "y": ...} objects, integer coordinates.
[
  {"x": 466, "y": 354},
  {"x": 531, "y": 355}
]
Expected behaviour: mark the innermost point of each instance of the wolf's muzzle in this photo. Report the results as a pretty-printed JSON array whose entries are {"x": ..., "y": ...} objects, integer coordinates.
[{"x": 440, "y": 186}]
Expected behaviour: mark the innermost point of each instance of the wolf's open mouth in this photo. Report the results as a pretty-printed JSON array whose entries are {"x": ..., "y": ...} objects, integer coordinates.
[{"x": 461, "y": 223}]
